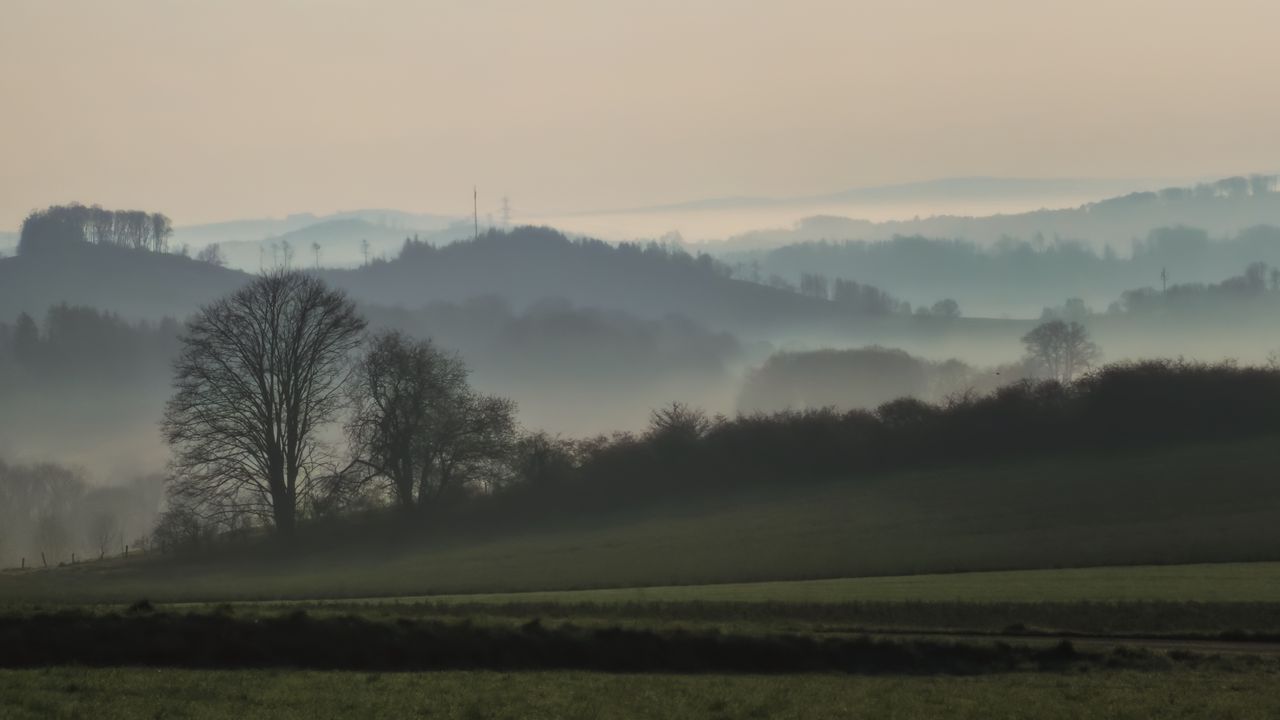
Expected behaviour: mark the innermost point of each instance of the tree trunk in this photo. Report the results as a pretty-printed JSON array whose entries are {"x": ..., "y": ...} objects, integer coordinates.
[{"x": 284, "y": 514}]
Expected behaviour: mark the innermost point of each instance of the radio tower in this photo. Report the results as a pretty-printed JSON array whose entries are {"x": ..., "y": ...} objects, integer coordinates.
[{"x": 475, "y": 210}]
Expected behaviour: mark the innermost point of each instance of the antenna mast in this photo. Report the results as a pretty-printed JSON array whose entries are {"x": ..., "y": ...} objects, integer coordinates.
[{"x": 475, "y": 210}]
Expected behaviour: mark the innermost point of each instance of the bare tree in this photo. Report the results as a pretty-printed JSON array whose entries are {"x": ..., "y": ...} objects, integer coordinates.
[
  {"x": 260, "y": 372},
  {"x": 417, "y": 424},
  {"x": 1063, "y": 350},
  {"x": 161, "y": 231},
  {"x": 104, "y": 532},
  {"x": 679, "y": 421},
  {"x": 212, "y": 254}
]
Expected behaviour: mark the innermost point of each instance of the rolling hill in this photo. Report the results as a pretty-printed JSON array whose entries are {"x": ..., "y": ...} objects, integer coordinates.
[
  {"x": 1203, "y": 503},
  {"x": 133, "y": 283}
]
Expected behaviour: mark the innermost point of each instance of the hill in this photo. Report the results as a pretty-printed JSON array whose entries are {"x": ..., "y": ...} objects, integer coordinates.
[
  {"x": 973, "y": 190},
  {"x": 1223, "y": 207},
  {"x": 1198, "y": 503},
  {"x": 1021, "y": 277},
  {"x": 342, "y": 243},
  {"x": 255, "y": 229},
  {"x": 134, "y": 283},
  {"x": 529, "y": 264},
  {"x": 252, "y": 244}
]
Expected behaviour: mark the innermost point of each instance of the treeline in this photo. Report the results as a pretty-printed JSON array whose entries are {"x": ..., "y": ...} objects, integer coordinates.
[
  {"x": 76, "y": 344},
  {"x": 1120, "y": 406},
  {"x": 61, "y": 226},
  {"x": 685, "y": 453},
  {"x": 1258, "y": 281},
  {"x": 50, "y": 515}
]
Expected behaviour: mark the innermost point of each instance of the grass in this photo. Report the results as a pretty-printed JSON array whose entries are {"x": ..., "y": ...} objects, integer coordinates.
[
  {"x": 1205, "y": 582},
  {"x": 1198, "y": 504},
  {"x": 281, "y": 694}
]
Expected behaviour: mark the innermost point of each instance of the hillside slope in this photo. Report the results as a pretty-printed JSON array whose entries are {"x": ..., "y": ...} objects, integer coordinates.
[
  {"x": 133, "y": 283},
  {"x": 1209, "y": 503},
  {"x": 1223, "y": 207},
  {"x": 530, "y": 264}
]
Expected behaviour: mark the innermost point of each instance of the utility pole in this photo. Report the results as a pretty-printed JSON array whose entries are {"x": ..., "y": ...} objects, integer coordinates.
[
  {"x": 475, "y": 210},
  {"x": 1164, "y": 280}
]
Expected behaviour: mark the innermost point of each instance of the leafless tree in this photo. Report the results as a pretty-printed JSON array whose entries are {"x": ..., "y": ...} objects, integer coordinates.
[
  {"x": 161, "y": 231},
  {"x": 260, "y": 372},
  {"x": 418, "y": 426},
  {"x": 104, "y": 532},
  {"x": 1062, "y": 349},
  {"x": 212, "y": 254},
  {"x": 679, "y": 421}
]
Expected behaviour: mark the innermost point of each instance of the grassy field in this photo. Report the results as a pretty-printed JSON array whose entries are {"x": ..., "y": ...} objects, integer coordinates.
[
  {"x": 1202, "y": 504},
  {"x": 279, "y": 695},
  {"x": 1218, "y": 582}
]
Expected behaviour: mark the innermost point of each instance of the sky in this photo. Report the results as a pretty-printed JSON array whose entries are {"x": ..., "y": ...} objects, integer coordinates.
[{"x": 252, "y": 108}]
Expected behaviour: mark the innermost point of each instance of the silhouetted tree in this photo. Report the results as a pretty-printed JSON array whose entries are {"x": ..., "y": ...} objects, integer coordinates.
[
  {"x": 212, "y": 254},
  {"x": 259, "y": 374},
  {"x": 53, "y": 228},
  {"x": 814, "y": 285},
  {"x": 161, "y": 231},
  {"x": 948, "y": 309},
  {"x": 1062, "y": 349},
  {"x": 418, "y": 425},
  {"x": 678, "y": 422},
  {"x": 542, "y": 460},
  {"x": 104, "y": 532}
]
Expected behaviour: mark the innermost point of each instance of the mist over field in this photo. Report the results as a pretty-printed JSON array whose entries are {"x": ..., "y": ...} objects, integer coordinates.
[{"x": 589, "y": 336}]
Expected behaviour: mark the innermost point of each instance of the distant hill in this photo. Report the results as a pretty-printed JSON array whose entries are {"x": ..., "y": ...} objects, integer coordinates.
[
  {"x": 134, "y": 283},
  {"x": 1019, "y": 278},
  {"x": 523, "y": 266},
  {"x": 338, "y": 234},
  {"x": 8, "y": 243},
  {"x": 1223, "y": 207},
  {"x": 341, "y": 244},
  {"x": 529, "y": 264},
  {"x": 959, "y": 189}
]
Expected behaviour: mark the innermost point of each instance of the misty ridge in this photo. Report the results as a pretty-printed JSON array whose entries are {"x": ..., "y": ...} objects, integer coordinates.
[{"x": 589, "y": 341}]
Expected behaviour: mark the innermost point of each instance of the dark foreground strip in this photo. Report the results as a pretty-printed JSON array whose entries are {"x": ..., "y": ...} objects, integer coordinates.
[
  {"x": 1140, "y": 619},
  {"x": 221, "y": 640}
]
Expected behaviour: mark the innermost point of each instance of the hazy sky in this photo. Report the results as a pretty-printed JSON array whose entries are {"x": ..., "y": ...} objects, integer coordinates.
[{"x": 232, "y": 108}]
